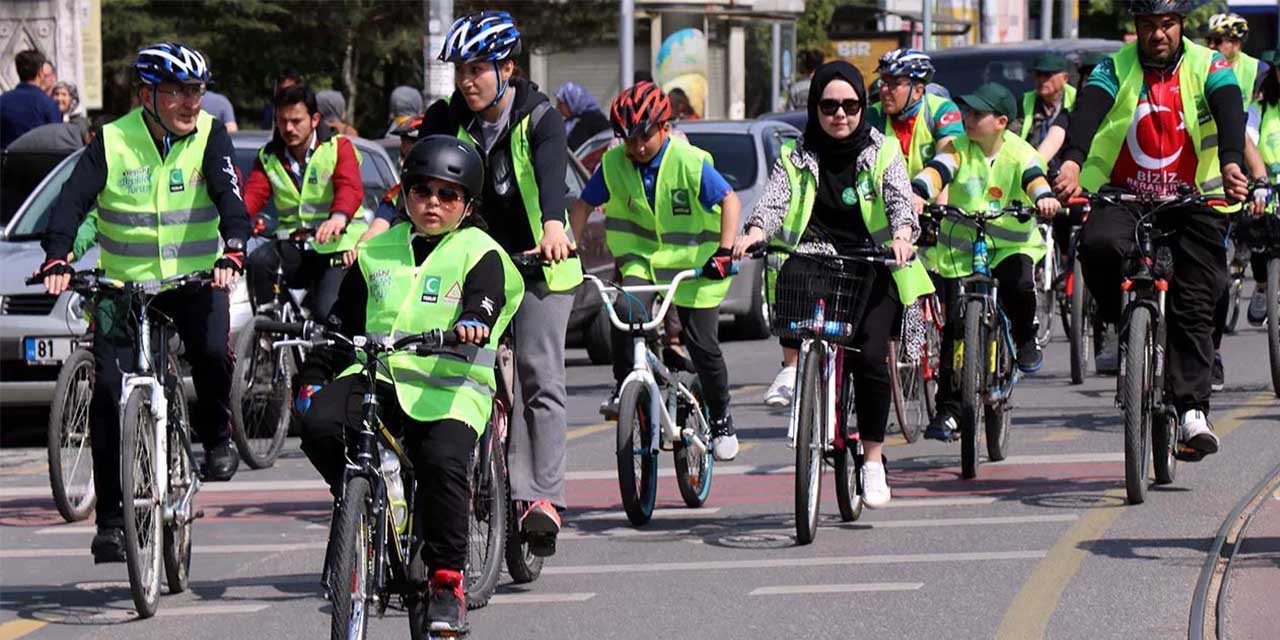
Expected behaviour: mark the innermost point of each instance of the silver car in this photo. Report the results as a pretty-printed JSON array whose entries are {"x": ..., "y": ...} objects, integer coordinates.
[{"x": 38, "y": 331}]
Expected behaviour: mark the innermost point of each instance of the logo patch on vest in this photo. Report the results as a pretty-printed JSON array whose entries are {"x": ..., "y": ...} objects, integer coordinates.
[
  {"x": 866, "y": 187},
  {"x": 995, "y": 192},
  {"x": 454, "y": 295},
  {"x": 136, "y": 181},
  {"x": 379, "y": 284},
  {"x": 849, "y": 197},
  {"x": 680, "y": 203},
  {"x": 197, "y": 178},
  {"x": 431, "y": 289},
  {"x": 176, "y": 183}
]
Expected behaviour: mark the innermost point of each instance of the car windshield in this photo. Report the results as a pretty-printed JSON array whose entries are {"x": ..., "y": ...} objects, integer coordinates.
[
  {"x": 734, "y": 155},
  {"x": 957, "y": 73}
]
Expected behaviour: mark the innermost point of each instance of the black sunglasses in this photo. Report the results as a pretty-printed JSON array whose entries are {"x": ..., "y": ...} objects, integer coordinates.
[
  {"x": 446, "y": 195},
  {"x": 829, "y": 107}
]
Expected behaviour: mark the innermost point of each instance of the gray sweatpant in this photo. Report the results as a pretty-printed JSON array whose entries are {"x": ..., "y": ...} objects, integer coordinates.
[{"x": 536, "y": 449}]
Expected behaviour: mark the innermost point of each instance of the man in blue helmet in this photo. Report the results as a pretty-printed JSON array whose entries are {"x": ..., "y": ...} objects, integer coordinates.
[{"x": 163, "y": 170}]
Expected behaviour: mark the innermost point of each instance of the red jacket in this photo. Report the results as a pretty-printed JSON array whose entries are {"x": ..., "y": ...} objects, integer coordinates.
[{"x": 348, "y": 189}]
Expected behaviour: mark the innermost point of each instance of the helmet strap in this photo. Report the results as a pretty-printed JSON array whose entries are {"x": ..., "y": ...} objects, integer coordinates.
[
  {"x": 166, "y": 142},
  {"x": 502, "y": 85}
]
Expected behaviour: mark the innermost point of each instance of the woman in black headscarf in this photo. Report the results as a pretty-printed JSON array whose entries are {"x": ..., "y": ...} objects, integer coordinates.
[{"x": 842, "y": 186}]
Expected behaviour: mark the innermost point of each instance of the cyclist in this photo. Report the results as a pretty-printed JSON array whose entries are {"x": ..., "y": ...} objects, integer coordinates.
[
  {"x": 844, "y": 185},
  {"x": 163, "y": 180},
  {"x": 1269, "y": 147},
  {"x": 666, "y": 207},
  {"x": 521, "y": 137},
  {"x": 1044, "y": 110},
  {"x": 440, "y": 272},
  {"x": 988, "y": 168},
  {"x": 391, "y": 206},
  {"x": 312, "y": 175},
  {"x": 1147, "y": 121}
]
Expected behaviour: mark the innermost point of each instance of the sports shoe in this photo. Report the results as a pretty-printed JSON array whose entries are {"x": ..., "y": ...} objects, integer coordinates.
[
  {"x": 540, "y": 525},
  {"x": 782, "y": 388},
  {"x": 108, "y": 545},
  {"x": 724, "y": 440},
  {"x": 875, "y": 488},
  {"x": 1194, "y": 432},
  {"x": 609, "y": 408},
  {"x": 943, "y": 428},
  {"x": 1030, "y": 358},
  {"x": 221, "y": 462},
  {"x": 446, "y": 604},
  {"x": 1257, "y": 313},
  {"x": 1218, "y": 375},
  {"x": 1106, "y": 361}
]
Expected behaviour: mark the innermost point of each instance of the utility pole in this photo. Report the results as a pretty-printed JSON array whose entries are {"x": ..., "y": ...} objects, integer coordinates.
[
  {"x": 437, "y": 81},
  {"x": 626, "y": 43},
  {"x": 926, "y": 42},
  {"x": 1046, "y": 19},
  {"x": 775, "y": 55}
]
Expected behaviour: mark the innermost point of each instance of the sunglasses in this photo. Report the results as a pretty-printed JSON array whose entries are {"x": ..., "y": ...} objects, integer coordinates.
[
  {"x": 446, "y": 195},
  {"x": 830, "y": 107}
]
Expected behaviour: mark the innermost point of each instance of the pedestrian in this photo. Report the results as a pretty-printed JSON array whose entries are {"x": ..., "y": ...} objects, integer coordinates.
[
  {"x": 582, "y": 115},
  {"x": 48, "y": 77},
  {"x": 26, "y": 106},
  {"x": 333, "y": 112},
  {"x": 220, "y": 107},
  {"x": 68, "y": 98},
  {"x": 681, "y": 108}
]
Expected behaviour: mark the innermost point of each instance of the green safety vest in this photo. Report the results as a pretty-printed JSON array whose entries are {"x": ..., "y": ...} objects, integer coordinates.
[
  {"x": 311, "y": 206},
  {"x": 1246, "y": 69},
  {"x": 1192, "y": 73},
  {"x": 1029, "y": 105},
  {"x": 155, "y": 217},
  {"x": 406, "y": 298},
  {"x": 561, "y": 276},
  {"x": 923, "y": 146},
  {"x": 981, "y": 187},
  {"x": 1269, "y": 140},
  {"x": 912, "y": 281},
  {"x": 676, "y": 233}
]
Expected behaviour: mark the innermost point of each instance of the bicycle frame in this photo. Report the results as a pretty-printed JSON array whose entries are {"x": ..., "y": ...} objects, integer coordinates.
[{"x": 832, "y": 363}]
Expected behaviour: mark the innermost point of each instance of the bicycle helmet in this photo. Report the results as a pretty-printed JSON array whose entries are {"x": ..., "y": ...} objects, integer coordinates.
[
  {"x": 171, "y": 62},
  {"x": 489, "y": 35},
  {"x": 912, "y": 63},
  {"x": 1228, "y": 25},
  {"x": 638, "y": 109},
  {"x": 1160, "y": 7},
  {"x": 445, "y": 158}
]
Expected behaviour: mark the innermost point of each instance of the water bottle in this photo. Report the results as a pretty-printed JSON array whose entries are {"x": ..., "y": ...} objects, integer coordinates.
[
  {"x": 837, "y": 329},
  {"x": 395, "y": 490}
]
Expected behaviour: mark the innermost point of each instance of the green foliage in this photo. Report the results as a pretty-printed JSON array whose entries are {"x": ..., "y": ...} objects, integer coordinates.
[{"x": 1108, "y": 19}]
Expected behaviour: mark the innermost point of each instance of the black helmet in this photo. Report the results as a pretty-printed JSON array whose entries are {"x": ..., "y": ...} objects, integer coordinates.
[
  {"x": 446, "y": 158},
  {"x": 1159, "y": 7}
]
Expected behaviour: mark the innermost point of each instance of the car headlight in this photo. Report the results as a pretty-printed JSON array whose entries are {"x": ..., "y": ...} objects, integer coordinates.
[{"x": 75, "y": 310}]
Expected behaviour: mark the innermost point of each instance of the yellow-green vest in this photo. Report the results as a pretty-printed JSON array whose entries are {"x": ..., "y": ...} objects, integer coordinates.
[
  {"x": 1192, "y": 73},
  {"x": 923, "y": 146},
  {"x": 981, "y": 187},
  {"x": 311, "y": 206},
  {"x": 912, "y": 281},
  {"x": 1029, "y": 105},
  {"x": 406, "y": 298},
  {"x": 1246, "y": 69},
  {"x": 155, "y": 217},
  {"x": 676, "y": 233},
  {"x": 1269, "y": 140}
]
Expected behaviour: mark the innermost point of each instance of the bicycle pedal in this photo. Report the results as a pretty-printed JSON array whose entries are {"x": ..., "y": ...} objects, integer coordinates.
[{"x": 198, "y": 514}]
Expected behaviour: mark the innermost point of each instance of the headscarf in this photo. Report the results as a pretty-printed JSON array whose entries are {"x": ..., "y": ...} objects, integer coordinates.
[
  {"x": 831, "y": 151},
  {"x": 71, "y": 90},
  {"x": 406, "y": 104},
  {"x": 579, "y": 101},
  {"x": 332, "y": 105}
]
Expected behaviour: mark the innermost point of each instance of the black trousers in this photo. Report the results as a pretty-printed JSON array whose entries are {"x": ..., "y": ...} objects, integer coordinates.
[
  {"x": 203, "y": 322},
  {"x": 440, "y": 452},
  {"x": 1015, "y": 277},
  {"x": 699, "y": 332},
  {"x": 320, "y": 274},
  {"x": 1199, "y": 278}
]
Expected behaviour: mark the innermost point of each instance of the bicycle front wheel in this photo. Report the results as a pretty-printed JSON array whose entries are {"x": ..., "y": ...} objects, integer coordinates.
[
  {"x": 637, "y": 462},
  {"x": 70, "y": 453},
  {"x": 140, "y": 487},
  {"x": 177, "y": 533},
  {"x": 1273, "y": 321},
  {"x": 693, "y": 471},
  {"x": 353, "y": 557},
  {"x": 1137, "y": 397},
  {"x": 260, "y": 388},
  {"x": 1081, "y": 328},
  {"x": 487, "y": 530},
  {"x": 972, "y": 382},
  {"x": 1044, "y": 305},
  {"x": 809, "y": 446},
  {"x": 907, "y": 387}
]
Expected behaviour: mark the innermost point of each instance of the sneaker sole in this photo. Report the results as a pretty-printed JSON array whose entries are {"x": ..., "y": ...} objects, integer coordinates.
[
  {"x": 538, "y": 523},
  {"x": 1204, "y": 444},
  {"x": 777, "y": 403}
]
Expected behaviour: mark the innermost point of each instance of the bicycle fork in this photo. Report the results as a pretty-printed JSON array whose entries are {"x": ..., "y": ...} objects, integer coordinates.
[{"x": 829, "y": 411}]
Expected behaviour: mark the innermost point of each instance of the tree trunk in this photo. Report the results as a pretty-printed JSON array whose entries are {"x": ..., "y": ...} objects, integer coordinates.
[{"x": 350, "y": 73}]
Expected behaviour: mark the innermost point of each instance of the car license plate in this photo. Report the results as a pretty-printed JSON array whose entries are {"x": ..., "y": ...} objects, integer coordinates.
[{"x": 46, "y": 350}]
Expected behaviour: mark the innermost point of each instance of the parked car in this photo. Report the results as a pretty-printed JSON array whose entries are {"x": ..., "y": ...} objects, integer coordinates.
[
  {"x": 963, "y": 69},
  {"x": 27, "y": 313}
]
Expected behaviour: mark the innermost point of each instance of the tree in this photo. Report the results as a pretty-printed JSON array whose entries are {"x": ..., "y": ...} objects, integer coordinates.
[{"x": 1107, "y": 19}]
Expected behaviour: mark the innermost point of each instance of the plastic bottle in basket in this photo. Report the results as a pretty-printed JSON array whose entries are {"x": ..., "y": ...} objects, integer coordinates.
[
  {"x": 395, "y": 489},
  {"x": 837, "y": 329}
]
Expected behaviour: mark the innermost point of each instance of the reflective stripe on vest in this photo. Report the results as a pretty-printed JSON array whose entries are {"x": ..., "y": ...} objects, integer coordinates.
[
  {"x": 314, "y": 204},
  {"x": 155, "y": 216},
  {"x": 1246, "y": 69},
  {"x": 1029, "y": 104}
]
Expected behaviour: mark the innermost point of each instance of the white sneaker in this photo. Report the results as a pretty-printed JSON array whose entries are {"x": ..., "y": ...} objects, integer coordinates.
[
  {"x": 780, "y": 391},
  {"x": 724, "y": 439},
  {"x": 875, "y": 487},
  {"x": 1107, "y": 360},
  {"x": 1194, "y": 430}
]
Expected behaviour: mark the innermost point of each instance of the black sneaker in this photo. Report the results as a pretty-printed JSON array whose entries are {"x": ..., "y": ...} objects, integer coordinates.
[
  {"x": 1030, "y": 358},
  {"x": 724, "y": 439},
  {"x": 943, "y": 428},
  {"x": 609, "y": 408},
  {"x": 108, "y": 545},
  {"x": 1218, "y": 377},
  {"x": 221, "y": 462},
  {"x": 447, "y": 605}
]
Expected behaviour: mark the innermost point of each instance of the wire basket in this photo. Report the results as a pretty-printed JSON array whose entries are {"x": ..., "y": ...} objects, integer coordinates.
[{"x": 806, "y": 283}]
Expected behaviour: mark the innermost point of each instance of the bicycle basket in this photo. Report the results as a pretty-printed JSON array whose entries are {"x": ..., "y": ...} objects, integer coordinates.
[{"x": 842, "y": 285}]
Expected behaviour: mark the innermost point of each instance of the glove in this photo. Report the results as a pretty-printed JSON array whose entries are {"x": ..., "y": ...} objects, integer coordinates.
[
  {"x": 1260, "y": 192},
  {"x": 720, "y": 265},
  {"x": 233, "y": 260},
  {"x": 55, "y": 267}
]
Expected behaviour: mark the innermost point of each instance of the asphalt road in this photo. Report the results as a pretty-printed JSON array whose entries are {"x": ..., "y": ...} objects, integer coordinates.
[{"x": 1040, "y": 545}]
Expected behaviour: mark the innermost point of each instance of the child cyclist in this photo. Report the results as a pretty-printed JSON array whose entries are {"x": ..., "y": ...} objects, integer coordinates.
[
  {"x": 667, "y": 209},
  {"x": 439, "y": 272},
  {"x": 988, "y": 168}
]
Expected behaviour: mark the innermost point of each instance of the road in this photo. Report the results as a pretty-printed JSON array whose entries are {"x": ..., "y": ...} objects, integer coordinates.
[{"x": 1040, "y": 545}]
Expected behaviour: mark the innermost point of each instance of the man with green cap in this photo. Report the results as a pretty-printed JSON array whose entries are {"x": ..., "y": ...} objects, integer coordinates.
[
  {"x": 1045, "y": 108},
  {"x": 988, "y": 167}
]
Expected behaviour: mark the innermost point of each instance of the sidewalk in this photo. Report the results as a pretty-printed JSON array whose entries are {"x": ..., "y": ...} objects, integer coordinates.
[{"x": 1254, "y": 590}]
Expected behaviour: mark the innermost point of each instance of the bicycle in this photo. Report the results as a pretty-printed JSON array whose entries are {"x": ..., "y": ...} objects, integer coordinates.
[
  {"x": 1150, "y": 420},
  {"x": 1076, "y": 304},
  {"x": 916, "y": 376},
  {"x": 1266, "y": 238},
  {"x": 69, "y": 453},
  {"x": 983, "y": 354},
  {"x": 1239, "y": 249},
  {"x": 660, "y": 408},
  {"x": 1046, "y": 277}
]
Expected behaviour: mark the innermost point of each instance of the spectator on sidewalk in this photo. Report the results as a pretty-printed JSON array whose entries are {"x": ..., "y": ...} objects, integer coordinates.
[{"x": 26, "y": 106}]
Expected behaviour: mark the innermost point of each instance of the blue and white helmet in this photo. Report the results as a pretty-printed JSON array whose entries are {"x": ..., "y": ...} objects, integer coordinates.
[
  {"x": 489, "y": 35},
  {"x": 171, "y": 62},
  {"x": 912, "y": 63}
]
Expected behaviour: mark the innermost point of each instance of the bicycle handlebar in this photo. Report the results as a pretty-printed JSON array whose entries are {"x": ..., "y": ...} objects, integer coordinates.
[
  {"x": 534, "y": 260},
  {"x": 667, "y": 291},
  {"x": 89, "y": 280},
  {"x": 423, "y": 344},
  {"x": 1017, "y": 210}
]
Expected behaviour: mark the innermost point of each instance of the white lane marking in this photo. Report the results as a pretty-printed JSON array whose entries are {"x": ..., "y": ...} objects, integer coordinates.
[
  {"x": 666, "y": 472},
  {"x": 972, "y": 522},
  {"x": 791, "y": 563},
  {"x": 658, "y": 514},
  {"x": 907, "y": 503},
  {"x": 202, "y": 549},
  {"x": 1060, "y": 458},
  {"x": 801, "y": 589},
  {"x": 221, "y": 609},
  {"x": 714, "y": 530},
  {"x": 539, "y": 598}
]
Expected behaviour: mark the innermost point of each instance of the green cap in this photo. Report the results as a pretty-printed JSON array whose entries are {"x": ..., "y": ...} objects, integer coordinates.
[
  {"x": 992, "y": 97},
  {"x": 1050, "y": 62}
]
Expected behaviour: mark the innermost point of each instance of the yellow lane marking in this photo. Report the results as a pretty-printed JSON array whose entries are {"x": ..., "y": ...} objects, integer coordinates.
[
  {"x": 1028, "y": 616},
  {"x": 1061, "y": 435},
  {"x": 14, "y": 629},
  {"x": 747, "y": 446},
  {"x": 895, "y": 441},
  {"x": 582, "y": 432}
]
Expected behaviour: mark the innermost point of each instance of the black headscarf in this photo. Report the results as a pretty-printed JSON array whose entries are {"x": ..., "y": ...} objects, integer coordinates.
[{"x": 834, "y": 152}]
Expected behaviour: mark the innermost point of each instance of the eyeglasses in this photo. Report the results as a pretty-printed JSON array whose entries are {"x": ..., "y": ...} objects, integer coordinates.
[
  {"x": 446, "y": 195},
  {"x": 829, "y": 107},
  {"x": 188, "y": 92}
]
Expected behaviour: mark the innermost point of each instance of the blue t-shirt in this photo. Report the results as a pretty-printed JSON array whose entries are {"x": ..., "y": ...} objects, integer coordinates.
[
  {"x": 24, "y": 108},
  {"x": 714, "y": 187}
]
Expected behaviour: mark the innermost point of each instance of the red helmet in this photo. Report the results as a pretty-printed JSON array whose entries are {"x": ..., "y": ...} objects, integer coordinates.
[{"x": 638, "y": 109}]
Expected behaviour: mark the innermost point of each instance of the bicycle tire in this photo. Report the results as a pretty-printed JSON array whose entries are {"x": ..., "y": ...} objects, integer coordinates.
[
  {"x": 1136, "y": 395},
  {"x": 848, "y": 468},
  {"x": 488, "y": 518},
  {"x": 933, "y": 356},
  {"x": 908, "y": 388},
  {"x": 260, "y": 398},
  {"x": 809, "y": 448},
  {"x": 74, "y": 498},
  {"x": 693, "y": 475},
  {"x": 352, "y": 546},
  {"x": 522, "y": 565},
  {"x": 997, "y": 418},
  {"x": 972, "y": 379},
  {"x": 1044, "y": 306},
  {"x": 177, "y": 537},
  {"x": 1081, "y": 328},
  {"x": 1234, "y": 291},
  {"x": 142, "y": 526},
  {"x": 1273, "y": 321},
  {"x": 637, "y": 463}
]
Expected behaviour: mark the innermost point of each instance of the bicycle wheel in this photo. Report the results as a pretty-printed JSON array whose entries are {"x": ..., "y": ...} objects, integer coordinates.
[
  {"x": 177, "y": 534},
  {"x": 972, "y": 382},
  {"x": 353, "y": 558},
  {"x": 142, "y": 515},
  {"x": 693, "y": 471},
  {"x": 1235, "y": 289},
  {"x": 522, "y": 565},
  {"x": 1273, "y": 321},
  {"x": 1136, "y": 395},
  {"x": 907, "y": 388},
  {"x": 1044, "y": 305},
  {"x": 998, "y": 417},
  {"x": 848, "y": 467},
  {"x": 487, "y": 531},
  {"x": 261, "y": 385},
  {"x": 70, "y": 453},
  {"x": 637, "y": 463},
  {"x": 809, "y": 446},
  {"x": 1081, "y": 333},
  {"x": 931, "y": 358}
]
